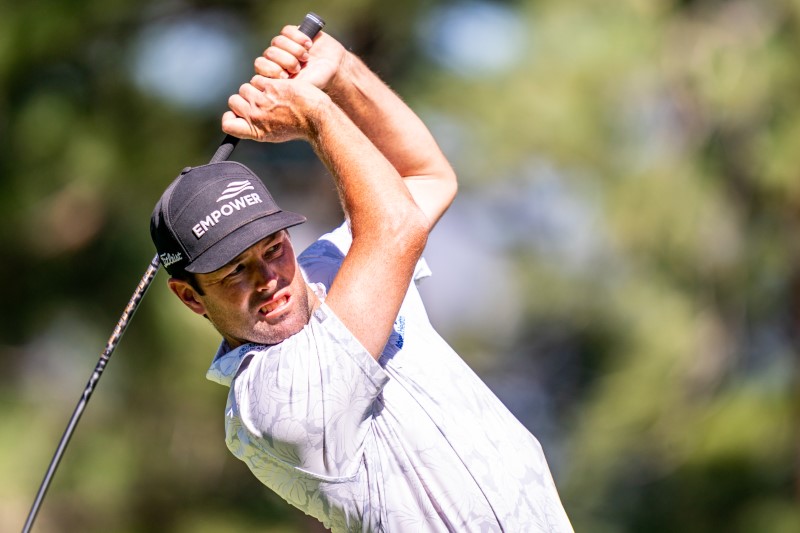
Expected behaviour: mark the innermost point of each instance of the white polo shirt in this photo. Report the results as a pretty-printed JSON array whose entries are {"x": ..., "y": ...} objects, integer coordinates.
[{"x": 413, "y": 442}]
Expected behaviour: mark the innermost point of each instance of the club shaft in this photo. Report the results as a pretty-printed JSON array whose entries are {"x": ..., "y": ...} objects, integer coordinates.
[{"x": 111, "y": 345}]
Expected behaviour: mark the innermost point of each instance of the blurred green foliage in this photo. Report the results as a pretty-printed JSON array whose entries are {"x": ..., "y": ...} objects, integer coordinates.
[{"x": 666, "y": 352}]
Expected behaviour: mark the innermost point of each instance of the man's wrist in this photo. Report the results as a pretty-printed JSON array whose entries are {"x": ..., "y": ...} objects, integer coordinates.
[
  {"x": 319, "y": 110},
  {"x": 344, "y": 82}
]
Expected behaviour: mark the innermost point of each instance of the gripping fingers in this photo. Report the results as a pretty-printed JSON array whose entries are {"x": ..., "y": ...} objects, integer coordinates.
[
  {"x": 298, "y": 50},
  {"x": 239, "y": 105},
  {"x": 241, "y": 120},
  {"x": 259, "y": 82},
  {"x": 285, "y": 59},
  {"x": 269, "y": 69},
  {"x": 243, "y": 107},
  {"x": 293, "y": 33},
  {"x": 236, "y": 126},
  {"x": 286, "y": 54}
]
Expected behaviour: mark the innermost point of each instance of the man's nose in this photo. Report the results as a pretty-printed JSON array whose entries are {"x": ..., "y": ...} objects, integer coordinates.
[{"x": 266, "y": 278}]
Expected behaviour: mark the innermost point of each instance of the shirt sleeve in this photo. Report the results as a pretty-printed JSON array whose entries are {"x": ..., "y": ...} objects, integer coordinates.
[{"x": 309, "y": 401}]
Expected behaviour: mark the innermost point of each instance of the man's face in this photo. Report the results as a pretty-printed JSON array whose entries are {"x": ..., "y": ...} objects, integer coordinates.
[{"x": 259, "y": 297}]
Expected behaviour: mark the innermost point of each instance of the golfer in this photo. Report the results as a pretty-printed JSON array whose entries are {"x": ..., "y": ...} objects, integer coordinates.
[{"x": 343, "y": 399}]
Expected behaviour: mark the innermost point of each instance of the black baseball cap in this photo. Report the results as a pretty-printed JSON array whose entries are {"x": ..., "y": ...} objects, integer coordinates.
[{"x": 212, "y": 213}]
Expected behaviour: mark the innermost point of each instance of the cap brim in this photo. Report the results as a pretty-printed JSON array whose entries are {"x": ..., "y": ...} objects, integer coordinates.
[{"x": 236, "y": 242}]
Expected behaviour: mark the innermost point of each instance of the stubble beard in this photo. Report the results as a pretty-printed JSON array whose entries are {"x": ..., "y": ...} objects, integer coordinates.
[
  {"x": 261, "y": 332},
  {"x": 264, "y": 333}
]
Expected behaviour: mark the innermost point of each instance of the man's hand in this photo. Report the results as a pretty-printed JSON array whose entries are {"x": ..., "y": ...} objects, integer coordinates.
[
  {"x": 374, "y": 108},
  {"x": 272, "y": 110},
  {"x": 291, "y": 54}
]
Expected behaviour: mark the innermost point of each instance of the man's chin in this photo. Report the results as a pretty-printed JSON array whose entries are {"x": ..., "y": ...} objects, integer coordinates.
[
  {"x": 273, "y": 331},
  {"x": 291, "y": 324}
]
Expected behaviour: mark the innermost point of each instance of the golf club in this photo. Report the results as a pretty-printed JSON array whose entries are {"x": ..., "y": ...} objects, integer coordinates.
[{"x": 311, "y": 25}]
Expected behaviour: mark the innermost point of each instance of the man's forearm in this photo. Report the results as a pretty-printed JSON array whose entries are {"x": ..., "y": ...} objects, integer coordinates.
[
  {"x": 368, "y": 182},
  {"x": 398, "y": 133},
  {"x": 389, "y": 229}
]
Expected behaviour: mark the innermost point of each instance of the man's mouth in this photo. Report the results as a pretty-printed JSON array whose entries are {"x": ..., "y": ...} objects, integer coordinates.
[{"x": 274, "y": 307}]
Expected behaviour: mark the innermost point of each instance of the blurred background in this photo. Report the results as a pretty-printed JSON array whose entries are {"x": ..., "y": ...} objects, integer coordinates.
[{"x": 621, "y": 265}]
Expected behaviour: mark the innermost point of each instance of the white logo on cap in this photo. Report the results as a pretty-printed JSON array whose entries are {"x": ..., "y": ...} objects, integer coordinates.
[
  {"x": 235, "y": 188},
  {"x": 170, "y": 259}
]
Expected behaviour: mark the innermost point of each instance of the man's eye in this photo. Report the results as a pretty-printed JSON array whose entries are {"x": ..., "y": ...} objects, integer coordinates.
[
  {"x": 235, "y": 270},
  {"x": 275, "y": 248}
]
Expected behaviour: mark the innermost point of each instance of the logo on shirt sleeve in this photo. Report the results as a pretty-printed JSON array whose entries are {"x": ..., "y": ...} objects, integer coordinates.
[{"x": 399, "y": 331}]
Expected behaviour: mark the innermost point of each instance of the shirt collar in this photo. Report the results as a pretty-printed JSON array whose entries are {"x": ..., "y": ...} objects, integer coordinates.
[{"x": 226, "y": 363}]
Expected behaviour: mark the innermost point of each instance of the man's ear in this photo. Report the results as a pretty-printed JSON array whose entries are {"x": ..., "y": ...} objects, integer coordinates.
[{"x": 187, "y": 294}]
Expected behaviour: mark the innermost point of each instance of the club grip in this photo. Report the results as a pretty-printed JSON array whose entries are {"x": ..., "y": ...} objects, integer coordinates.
[{"x": 311, "y": 26}]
